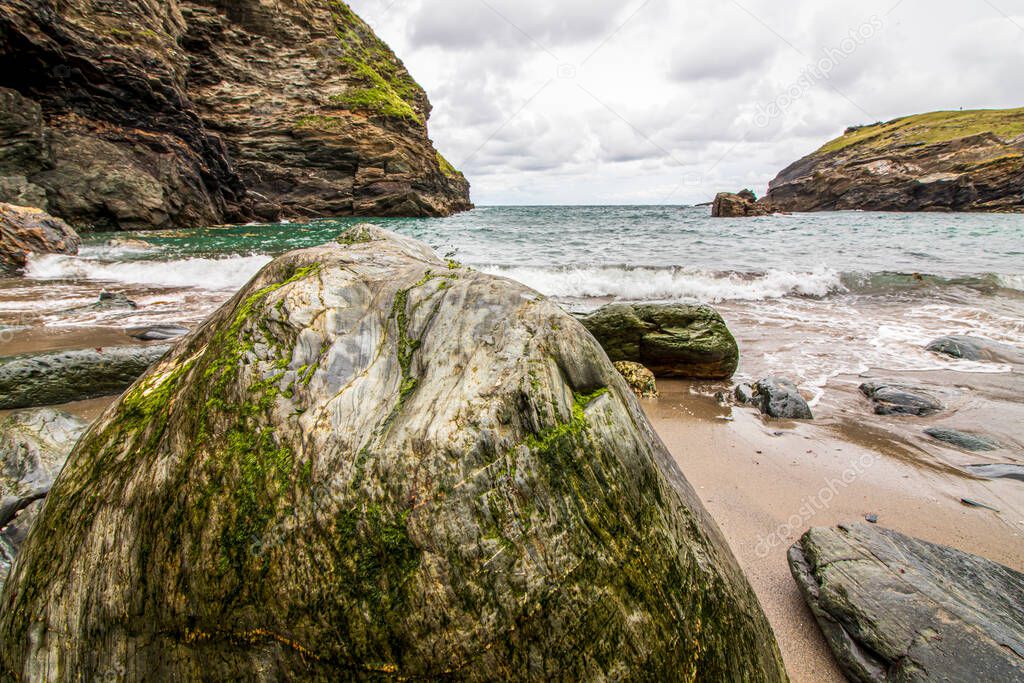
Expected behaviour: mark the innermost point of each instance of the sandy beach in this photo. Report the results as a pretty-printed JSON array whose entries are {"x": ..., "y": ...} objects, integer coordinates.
[{"x": 757, "y": 477}]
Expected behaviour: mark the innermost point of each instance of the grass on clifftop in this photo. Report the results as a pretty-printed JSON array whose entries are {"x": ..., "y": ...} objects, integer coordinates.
[
  {"x": 381, "y": 83},
  {"x": 939, "y": 126},
  {"x": 446, "y": 167}
]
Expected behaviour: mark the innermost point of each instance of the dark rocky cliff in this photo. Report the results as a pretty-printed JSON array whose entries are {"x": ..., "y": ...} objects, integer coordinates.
[
  {"x": 943, "y": 161},
  {"x": 142, "y": 113}
]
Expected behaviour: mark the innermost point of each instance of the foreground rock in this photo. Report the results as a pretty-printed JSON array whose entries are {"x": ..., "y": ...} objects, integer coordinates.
[
  {"x": 183, "y": 113},
  {"x": 25, "y": 231},
  {"x": 369, "y": 464},
  {"x": 33, "y": 447},
  {"x": 777, "y": 397},
  {"x": 55, "y": 377},
  {"x": 943, "y": 161},
  {"x": 895, "y": 608},
  {"x": 640, "y": 379},
  {"x": 672, "y": 340},
  {"x": 743, "y": 204},
  {"x": 898, "y": 399},
  {"x": 976, "y": 349}
]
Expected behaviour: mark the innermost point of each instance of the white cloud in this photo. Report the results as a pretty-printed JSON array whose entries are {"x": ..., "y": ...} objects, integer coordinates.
[{"x": 595, "y": 101}]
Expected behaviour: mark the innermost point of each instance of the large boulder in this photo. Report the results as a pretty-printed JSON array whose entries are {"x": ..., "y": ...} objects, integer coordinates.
[
  {"x": 33, "y": 447},
  {"x": 370, "y": 464},
  {"x": 672, "y": 340},
  {"x": 25, "y": 230},
  {"x": 896, "y": 608},
  {"x": 55, "y": 377}
]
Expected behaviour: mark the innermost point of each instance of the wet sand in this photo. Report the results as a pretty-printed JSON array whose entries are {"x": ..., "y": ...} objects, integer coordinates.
[{"x": 766, "y": 482}]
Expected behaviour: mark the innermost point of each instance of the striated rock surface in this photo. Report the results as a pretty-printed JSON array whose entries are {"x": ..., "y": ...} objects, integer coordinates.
[
  {"x": 942, "y": 161},
  {"x": 672, "y": 340},
  {"x": 26, "y": 230},
  {"x": 54, "y": 377},
  {"x": 371, "y": 464},
  {"x": 896, "y": 608},
  {"x": 138, "y": 114}
]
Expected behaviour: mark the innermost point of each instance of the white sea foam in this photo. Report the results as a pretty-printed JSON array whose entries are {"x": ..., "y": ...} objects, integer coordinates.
[
  {"x": 1012, "y": 281},
  {"x": 670, "y": 284},
  {"x": 226, "y": 273}
]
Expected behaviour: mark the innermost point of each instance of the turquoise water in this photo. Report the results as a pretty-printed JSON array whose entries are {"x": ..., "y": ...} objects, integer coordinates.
[
  {"x": 810, "y": 295},
  {"x": 950, "y": 245}
]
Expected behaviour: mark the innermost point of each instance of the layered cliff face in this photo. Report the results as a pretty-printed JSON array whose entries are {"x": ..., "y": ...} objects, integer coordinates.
[
  {"x": 943, "y": 161},
  {"x": 141, "y": 113}
]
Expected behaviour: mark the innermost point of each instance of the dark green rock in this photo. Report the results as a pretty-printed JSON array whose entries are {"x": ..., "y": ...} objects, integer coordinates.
[
  {"x": 672, "y": 340},
  {"x": 371, "y": 464},
  {"x": 52, "y": 378},
  {"x": 898, "y": 609},
  {"x": 968, "y": 442},
  {"x": 780, "y": 398}
]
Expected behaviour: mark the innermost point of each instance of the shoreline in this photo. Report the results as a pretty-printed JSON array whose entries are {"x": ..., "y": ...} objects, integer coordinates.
[{"x": 753, "y": 482}]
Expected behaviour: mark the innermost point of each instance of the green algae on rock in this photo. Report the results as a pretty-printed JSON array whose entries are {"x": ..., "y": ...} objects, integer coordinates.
[
  {"x": 374, "y": 464},
  {"x": 673, "y": 340}
]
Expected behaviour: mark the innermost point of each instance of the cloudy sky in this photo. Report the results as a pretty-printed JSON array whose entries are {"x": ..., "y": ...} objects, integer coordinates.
[{"x": 667, "y": 102}]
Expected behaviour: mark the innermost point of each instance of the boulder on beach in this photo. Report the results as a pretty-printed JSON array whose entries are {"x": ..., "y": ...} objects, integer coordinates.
[
  {"x": 373, "y": 464},
  {"x": 33, "y": 447},
  {"x": 975, "y": 348},
  {"x": 741, "y": 204},
  {"x": 896, "y": 608},
  {"x": 672, "y": 340},
  {"x": 25, "y": 230},
  {"x": 640, "y": 379},
  {"x": 780, "y": 398},
  {"x": 54, "y": 377},
  {"x": 898, "y": 399}
]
